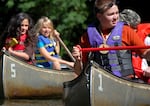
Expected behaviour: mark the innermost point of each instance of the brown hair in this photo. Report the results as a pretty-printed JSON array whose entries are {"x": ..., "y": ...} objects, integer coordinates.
[{"x": 102, "y": 5}]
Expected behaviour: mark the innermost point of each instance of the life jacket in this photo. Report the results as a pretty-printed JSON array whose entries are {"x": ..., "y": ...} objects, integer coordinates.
[
  {"x": 137, "y": 65},
  {"x": 143, "y": 30},
  {"x": 117, "y": 62},
  {"x": 50, "y": 47},
  {"x": 20, "y": 46}
]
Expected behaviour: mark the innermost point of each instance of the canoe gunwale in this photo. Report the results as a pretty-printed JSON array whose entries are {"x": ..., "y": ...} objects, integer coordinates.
[{"x": 1, "y": 77}]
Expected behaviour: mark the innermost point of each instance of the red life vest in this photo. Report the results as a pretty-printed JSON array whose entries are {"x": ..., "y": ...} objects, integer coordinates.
[
  {"x": 21, "y": 40},
  {"x": 142, "y": 30},
  {"x": 137, "y": 65}
]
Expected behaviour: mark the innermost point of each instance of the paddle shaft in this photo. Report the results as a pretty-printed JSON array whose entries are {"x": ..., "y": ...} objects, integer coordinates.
[
  {"x": 67, "y": 50},
  {"x": 115, "y": 48}
]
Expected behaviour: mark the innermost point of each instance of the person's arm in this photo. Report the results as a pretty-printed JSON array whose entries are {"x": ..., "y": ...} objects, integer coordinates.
[
  {"x": 130, "y": 38},
  {"x": 48, "y": 57},
  {"x": 22, "y": 55},
  {"x": 78, "y": 66},
  {"x": 81, "y": 58}
]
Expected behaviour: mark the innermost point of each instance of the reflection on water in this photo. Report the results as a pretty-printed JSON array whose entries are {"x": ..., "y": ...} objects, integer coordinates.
[{"x": 21, "y": 102}]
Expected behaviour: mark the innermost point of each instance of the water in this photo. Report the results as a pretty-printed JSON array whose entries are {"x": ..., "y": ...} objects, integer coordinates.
[{"x": 26, "y": 102}]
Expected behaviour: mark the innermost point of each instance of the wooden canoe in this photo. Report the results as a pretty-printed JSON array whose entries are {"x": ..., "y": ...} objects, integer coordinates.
[
  {"x": 21, "y": 80},
  {"x": 101, "y": 88}
]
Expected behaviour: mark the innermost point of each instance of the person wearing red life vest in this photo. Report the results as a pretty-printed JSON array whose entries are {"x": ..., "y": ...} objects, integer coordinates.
[
  {"x": 19, "y": 38},
  {"x": 141, "y": 67},
  {"x": 143, "y": 31}
]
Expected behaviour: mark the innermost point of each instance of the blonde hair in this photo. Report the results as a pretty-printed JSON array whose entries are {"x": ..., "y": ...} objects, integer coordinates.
[{"x": 44, "y": 21}]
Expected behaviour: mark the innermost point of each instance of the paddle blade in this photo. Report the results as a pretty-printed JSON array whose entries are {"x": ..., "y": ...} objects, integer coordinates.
[{"x": 76, "y": 92}]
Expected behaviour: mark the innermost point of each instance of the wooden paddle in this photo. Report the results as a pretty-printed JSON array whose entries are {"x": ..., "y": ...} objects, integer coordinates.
[{"x": 67, "y": 50}]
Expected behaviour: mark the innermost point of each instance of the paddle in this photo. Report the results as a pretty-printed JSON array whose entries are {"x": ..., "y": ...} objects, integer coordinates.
[
  {"x": 114, "y": 48},
  {"x": 67, "y": 50}
]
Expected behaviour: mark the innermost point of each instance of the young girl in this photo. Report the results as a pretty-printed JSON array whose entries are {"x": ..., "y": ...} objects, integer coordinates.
[
  {"x": 20, "y": 31},
  {"x": 48, "y": 50}
]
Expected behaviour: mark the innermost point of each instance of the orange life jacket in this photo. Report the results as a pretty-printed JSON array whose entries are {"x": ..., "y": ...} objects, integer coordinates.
[{"x": 142, "y": 30}]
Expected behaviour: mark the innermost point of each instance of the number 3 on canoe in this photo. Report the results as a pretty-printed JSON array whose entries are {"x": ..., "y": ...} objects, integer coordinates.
[
  {"x": 13, "y": 71},
  {"x": 100, "y": 83}
]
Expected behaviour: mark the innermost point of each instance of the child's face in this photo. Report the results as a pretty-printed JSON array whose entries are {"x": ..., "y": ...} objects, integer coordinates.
[
  {"x": 24, "y": 26},
  {"x": 46, "y": 30}
]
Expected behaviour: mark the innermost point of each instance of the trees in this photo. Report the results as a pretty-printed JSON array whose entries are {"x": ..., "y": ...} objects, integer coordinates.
[{"x": 69, "y": 17}]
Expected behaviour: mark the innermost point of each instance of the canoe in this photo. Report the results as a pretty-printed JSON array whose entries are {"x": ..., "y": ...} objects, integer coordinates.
[
  {"x": 21, "y": 80},
  {"x": 97, "y": 87}
]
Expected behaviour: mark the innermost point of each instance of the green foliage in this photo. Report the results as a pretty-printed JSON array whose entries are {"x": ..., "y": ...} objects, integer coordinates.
[
  {"x": 10, "y": 3},
  {"x": 69, "y": 16},
  {"x": 27, "y": 5}
]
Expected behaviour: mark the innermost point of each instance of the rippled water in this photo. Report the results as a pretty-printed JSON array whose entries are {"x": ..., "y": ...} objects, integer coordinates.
[{"x": 21, "y": 102}]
